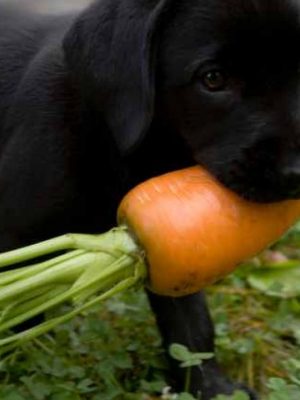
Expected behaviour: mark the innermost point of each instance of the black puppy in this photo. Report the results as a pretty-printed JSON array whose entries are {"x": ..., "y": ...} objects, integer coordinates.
[{"x": 92, "y": 104}]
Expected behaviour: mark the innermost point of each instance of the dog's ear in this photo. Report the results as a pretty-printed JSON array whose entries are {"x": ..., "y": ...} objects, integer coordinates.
[{"x": 111, "y": 49}]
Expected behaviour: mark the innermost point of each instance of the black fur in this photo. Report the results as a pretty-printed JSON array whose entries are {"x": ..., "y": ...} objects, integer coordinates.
[{"x": 91, "y": 104}]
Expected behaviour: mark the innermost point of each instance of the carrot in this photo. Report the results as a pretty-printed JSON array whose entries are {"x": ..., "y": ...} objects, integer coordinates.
[
  {"x": 195, "y": 231},
  {"x": 178, "y": 233}
]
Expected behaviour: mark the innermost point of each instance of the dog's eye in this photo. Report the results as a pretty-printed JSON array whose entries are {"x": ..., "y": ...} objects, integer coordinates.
[{"x": 214, "y": 80}]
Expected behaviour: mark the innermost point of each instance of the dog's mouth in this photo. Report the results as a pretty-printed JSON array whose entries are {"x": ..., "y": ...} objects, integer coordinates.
[
  {"x": 255, "y": 173},
  {"x": 259, "y": 186},
  {"x": 264, "y": 193},
  {"x": 257, "y": 183}
]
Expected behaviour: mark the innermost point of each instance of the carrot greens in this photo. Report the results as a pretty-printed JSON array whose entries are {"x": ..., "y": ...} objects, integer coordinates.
[{"x": 91, "y": 269}]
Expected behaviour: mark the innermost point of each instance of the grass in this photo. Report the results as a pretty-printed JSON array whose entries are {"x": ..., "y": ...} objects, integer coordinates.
[{"x": 114, "y": 352}]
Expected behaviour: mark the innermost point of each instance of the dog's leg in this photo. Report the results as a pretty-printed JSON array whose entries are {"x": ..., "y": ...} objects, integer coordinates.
[{"x": 187, "y": 321}]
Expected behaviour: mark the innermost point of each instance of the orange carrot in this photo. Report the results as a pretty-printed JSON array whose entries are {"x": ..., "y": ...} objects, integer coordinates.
[
  {"x": 195, "y": 231},
  {"x": 183, "y": 229}
]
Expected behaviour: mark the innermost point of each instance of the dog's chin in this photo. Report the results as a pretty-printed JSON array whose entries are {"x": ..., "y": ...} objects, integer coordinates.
[
  {"x": 268, "y": 193},
  {"x": 255, "y": 186}
]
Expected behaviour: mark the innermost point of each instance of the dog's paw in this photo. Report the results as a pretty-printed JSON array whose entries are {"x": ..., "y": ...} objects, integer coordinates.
[
  {"x": 209, "y": 381},
  {"x": 223, "y": 386},
  {"x": 251, "y": 393}
]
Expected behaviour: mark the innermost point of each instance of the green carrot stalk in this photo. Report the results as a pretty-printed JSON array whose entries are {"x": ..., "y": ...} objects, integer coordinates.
[{"x": 91, "y": 269}]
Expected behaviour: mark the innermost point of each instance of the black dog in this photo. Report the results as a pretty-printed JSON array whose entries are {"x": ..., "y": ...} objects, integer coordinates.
[{"x": 92, "y": 104}]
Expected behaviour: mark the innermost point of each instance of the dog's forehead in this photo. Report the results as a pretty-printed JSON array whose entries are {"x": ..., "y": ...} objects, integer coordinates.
[
  {"x": 267, "y": 39},
  {"x": 260, "y": 21},
  {"x": 238, "y": 29},
  {"x": 220, "y": 15}
]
